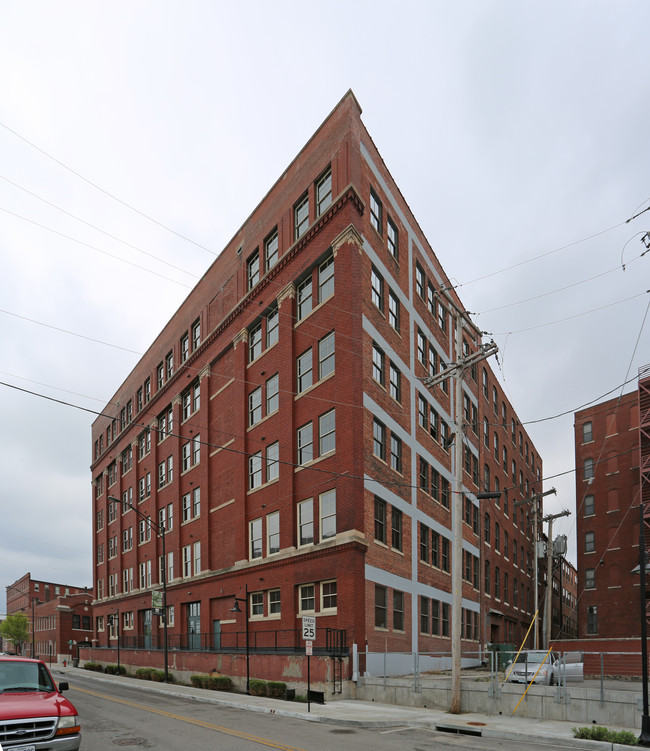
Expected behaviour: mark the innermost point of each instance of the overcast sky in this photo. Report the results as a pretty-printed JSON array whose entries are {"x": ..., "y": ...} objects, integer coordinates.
[{"x": 515, "y": 130}]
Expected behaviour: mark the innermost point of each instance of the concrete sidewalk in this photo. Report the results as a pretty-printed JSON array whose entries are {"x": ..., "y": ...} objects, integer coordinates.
[{"x": 367, "y": 714}]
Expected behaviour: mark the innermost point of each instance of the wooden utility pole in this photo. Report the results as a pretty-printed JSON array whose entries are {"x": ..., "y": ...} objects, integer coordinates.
[{"x": 549, "y": 576}]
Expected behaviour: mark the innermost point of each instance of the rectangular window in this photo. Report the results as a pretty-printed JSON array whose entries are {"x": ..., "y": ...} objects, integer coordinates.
[
  {"x": 307, "y": 598},
  {"x": 301, "y": 217},
  {"x": 255, "y": 342},
  {"x": 328, "y": 595},
  {"x": 377, "y": 289},
  {"x": 196, "y": 336},
  {"x": 392, "y": 238},
  {"x": 395, "y": 378},
  {"x": 327, "y": 433},
  {"x": 272, "y": 327},
  {"x": 445, "y": 557},
  {"x": 589, "y": 505},
  {"x": 273, "y": 532},
  {"x": 396, "y": 453},
  {"x": 592, "y": 619},
  {"x": 253, "y": 269},
  {"x": 305, "y": 444},
  {"x": 326, "y": 279},
  {"x": 393, "y": 310},
  {"x": 435, "y": 617},
  {"x": 187, "y": 561},
  {"x": 275, "y": 607},
  {"x": 375, "y": 211},
  {"x": 419, "y": 280},
  {"x": 185, "y": 347},
  {"x": 271, "y": 250},
  {"x": 380, "y": 520},
  {"x": 421, "y": 344},
  {"x": 445, "y": 619},
  {"x": 424, "y": 616},
  {"x": 186, "y": 505},
  {"x": 327, "y": 505},
  {"x": 323, "y": 192},
  {"x": 424, "y": 542},
  {"x": 590, "y": 578},
  {"x": 587, "y": 433},
  {"x": 255, "y": 406},
  {"x": 326, "y": 355},
  {"x": 380, "y": 607},
  {"x": 379, "y": 440},
  {"x": 197, "y": 557},
  {"x": 257, "y": 603},
  {"x": 255, "y": 536},
  {"x": 304, "y": 368},
  {"x": 398, "y": 611},
  {"x": 255, "y": 470},
  {"x": 304, "y": 298},
  {"x": 272, "y": 394},
  {"x": 272, "y": 461},
  {"x": 378, "y": 364},
  {"x": 306, "y": 522},
  {"x": 169, "y": 365},
  {"x": 396, "y": 529},
  {"x": 590, "y": 542}
]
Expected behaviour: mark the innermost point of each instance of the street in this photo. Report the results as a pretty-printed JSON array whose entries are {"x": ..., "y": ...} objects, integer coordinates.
[{"x": 127, "y": 717}]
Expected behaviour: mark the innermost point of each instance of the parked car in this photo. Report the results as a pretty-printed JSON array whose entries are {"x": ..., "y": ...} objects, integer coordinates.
[
  {"x": 34, "y": 714},
  {"x": 533, "y": 665},
  {"x": 569, "y": 667}
]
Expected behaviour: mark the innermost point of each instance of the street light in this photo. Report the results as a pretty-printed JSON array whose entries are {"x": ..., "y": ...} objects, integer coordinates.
[
  {"x": 159, "y": 529},
  {"x": 237, "y": 609},
  {"x": 114, "y": 618}
]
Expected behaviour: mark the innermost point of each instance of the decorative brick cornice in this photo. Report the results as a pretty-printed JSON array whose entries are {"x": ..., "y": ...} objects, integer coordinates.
[
  {"x": 349, "y": 235},
  {"x": 240, "y": 338},
  {"x": 288, "y": 291}
]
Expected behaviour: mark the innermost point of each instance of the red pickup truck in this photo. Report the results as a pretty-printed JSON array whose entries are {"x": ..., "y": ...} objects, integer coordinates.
[{"x": 34, "y": 714}]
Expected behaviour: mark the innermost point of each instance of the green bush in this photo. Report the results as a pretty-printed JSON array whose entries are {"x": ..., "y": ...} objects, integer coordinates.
[
  {"x": 197, "y": 680},
  {"x": 599, "y": 733},
  {"x": 144, "y": 673},
  {"x": 116, "y": 669},
  {"x": 276, "y": 689},
  {"x": 94, "y": 666},
  {"x": 221, "y": 683},
  {"x": 159, "y": 676},
  {"x": 257, "y": 687}
]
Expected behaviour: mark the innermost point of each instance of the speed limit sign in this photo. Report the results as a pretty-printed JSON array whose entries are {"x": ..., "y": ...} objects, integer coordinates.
[{"x": 308, "y": 627}]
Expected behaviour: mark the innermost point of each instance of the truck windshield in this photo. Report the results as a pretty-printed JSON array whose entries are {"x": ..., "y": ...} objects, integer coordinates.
[{"x": 24, "y": 676}]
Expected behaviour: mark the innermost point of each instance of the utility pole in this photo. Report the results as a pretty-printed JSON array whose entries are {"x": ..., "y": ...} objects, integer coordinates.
[
  {"x": 457, "y": 370},
  {"x": 549, "y": 576},
  {"x": 535, "y": 499}
]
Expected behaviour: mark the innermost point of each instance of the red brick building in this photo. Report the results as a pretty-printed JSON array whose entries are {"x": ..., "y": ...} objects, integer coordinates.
[
  {"x": 608, "y": 441},
  {"x": 52, "y": 606},
  {"x": 280, "y": 430}
]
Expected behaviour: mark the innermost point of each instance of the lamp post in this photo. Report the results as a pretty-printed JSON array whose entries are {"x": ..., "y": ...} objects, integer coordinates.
[
  {"x": 159, "y": 529},
  {"x": 114, "y": 618},
  {"x": 237, "y": 609}
]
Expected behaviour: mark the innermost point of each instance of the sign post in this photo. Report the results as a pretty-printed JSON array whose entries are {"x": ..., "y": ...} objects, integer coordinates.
[{"x": 308, "y": 635}]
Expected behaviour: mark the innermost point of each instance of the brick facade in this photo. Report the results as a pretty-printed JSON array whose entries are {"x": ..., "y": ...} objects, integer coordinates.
[{"x": 298, "y": 422}]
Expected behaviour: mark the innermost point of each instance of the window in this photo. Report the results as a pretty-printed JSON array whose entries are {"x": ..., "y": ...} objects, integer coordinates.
[
  {"x": 271, "y": 250},
  {"x": 421, "y": 344},
  {"x": 590, "y": 578},
  {"x": 144, "y": 487},
  {"x": 255, "y": 406},
  {"x": 380, "y": 606},
  {"x": 140, "y": 402},
  {"x": 191, "y": 452},
  {"x": 327, "y": 503},
  {"x": 197, "y": 558},
  {"x": 272, "y": 394},
  {"x": 379, "y": 440},
  {"x": 589, "y": 469},
  {"x": 395, "y": 453},
  {"x": 393, "y": 310},
  {"x": 375, "y": 211},
  {"x": 587, "y": 433},
  {"x": 326, "y": 355},
  {"x": 326, "y": 279},
  {"x": 589, "y": 505},
  {"x": 307, "y": 598},
  {"x": 255, "y": 470},
  {"x": 442, "y": 316},
  {"x": 497, "y": 583},
  {"x": 187, "y": 561},
  {"x": 160, "y": 376},
  {"x": 273, "y": 533},
  {"x": 328, "y": 595},
  {"x": 419, "y": 280},
  {"x": 255, "y": 536},
  {"x": 275, "y": 607},
  {"x": 169, "y": 365},
  {"x": 253, "y": 269},
  {"x": 185, "y": 347},
  {"x": 423, "y": 412},
  {"x": 592, "y": 619},
  {"x": 392, "y": 238},
  {"x": 377, "y": 289},
  {"x": 378, "y": 364},
  {"x": 425, "y": 604},
  {"x": 304, "y": 298},
  {"x": 424, "y": 542},
  {"x": 323, "y": 192},
  {"x": 590, "y": 542},
  {"x": 191, "y": 400},
  {"x": 272, "y": 327},
  {"x": 196, "y": 337},
  {"x": 272, "y": 461},
  {"x": 497, "y": 537},
  {"x": 327, "y": 433},
  {"x": 304, "y": 371},
  {"x": 305, "y": 444},
  {"x": 255, "y": 342},
  {"x": 380, "y": 520},
  {"x": 257, "y": 603},
  {"x": 144, "y": 443},
  {"x": 396, "y": 529},
  {"x": 144, "y": 531},
  {"x": 395, "y": 378},
  {"x": 301, "y": 217},
  {"x": 445, "y": 557}
]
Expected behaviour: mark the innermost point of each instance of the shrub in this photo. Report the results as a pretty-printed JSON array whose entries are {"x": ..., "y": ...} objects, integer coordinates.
[
  {"x": 221, "y": 682},
  {"x": 116, "y": 669},
  {"x": 93, "y": 666},
  {"x": 276, "y": 689},
  {"x": 599, "y": 733},
  {"x": 159, "y": 676},
  {"x": 144, "y": 673},
  {"x": 197, "y": 680},
  {"x": 257, "y": 687}
]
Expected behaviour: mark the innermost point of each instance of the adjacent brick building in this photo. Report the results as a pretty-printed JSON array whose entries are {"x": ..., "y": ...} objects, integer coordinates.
[
  {"x": 609, "y": 442},
  {"x": 280, "y": 430}
]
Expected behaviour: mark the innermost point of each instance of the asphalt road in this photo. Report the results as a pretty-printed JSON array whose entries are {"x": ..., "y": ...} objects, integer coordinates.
[{"x": 124, "y": 717}]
